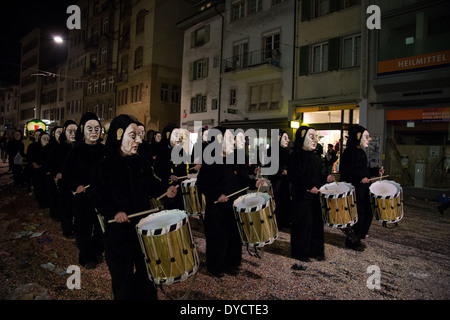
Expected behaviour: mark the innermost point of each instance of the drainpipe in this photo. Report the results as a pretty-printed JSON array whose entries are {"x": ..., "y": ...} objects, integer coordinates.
[{"x": 220, "y": 68}]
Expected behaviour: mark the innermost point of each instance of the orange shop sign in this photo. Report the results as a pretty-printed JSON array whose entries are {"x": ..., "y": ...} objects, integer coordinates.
[
  {"x": 425, "y": 61},
  {"x": 425, "y": 114}
]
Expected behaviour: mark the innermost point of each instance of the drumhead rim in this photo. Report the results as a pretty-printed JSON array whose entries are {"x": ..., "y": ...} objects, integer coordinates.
[
  {"x": 254, "y": 208},
  {"x": 164, "y": 230}
]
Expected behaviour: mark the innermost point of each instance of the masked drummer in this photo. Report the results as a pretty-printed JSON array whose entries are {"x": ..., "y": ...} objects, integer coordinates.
[
  {"x": 354, "y": 170},
  {"x": 304, "y": 172},
  {"x": 122, "y": 185},
  {"x": 168, "y": 170},
  {"x": 77, "y": 171},
  {"x": 280, "y": 183},
  {"x": 216, "y": 180}
]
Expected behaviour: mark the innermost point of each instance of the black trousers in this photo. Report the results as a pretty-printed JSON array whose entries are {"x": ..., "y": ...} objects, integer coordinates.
[
  {"x": 125, "y": 260},
  {"x": 365, "y": 214},
  {"x": 283, "y": 210},
  {"x": 223, "y": 241},
  {"x": 307, "y": 230},
  {"x": 66, "y": 212},
  {"x": 88, "y": 234}
]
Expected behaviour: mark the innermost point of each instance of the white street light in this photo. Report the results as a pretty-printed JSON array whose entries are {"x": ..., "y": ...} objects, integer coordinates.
[{"x": 58, "y": 39}]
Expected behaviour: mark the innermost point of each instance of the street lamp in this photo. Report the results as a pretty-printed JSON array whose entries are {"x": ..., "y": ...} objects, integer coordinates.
[{"x": 58, "y": 39}]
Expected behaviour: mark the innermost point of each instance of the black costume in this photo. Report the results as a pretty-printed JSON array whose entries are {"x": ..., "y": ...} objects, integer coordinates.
[
  {"x": 353, "y": 168},
  {"x": 78, "y": 168},
  {"x": 64, "y": 196},
  {"x": 128, "y": 189},
  {"x": 307, "y": 230},
  {"x": 223, "y": 241},
  {"x": 34, "y": 157},
  {"x": 281, "y": 188},
  {"x": 13, "y": 147},
  {"x": 51, "y": 183}
]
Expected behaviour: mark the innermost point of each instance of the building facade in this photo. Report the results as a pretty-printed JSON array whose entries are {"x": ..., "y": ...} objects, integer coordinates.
[
  {"x": 9, "y": 107},
  {"x": 330, "y": 63},
  {"x": 150, "y": 59},
  {"x": 409, "y": 91}
]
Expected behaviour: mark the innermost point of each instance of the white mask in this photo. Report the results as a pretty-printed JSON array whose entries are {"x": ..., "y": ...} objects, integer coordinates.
[
  {"x": 92, "y": 130},
  {"x": 228, "y": 143},
  {"x": 45, "y": 139},
  {"x": 58, "y": 133},
  {"x": 284, "y": 140},
  {"x": 70, "y": 132},
  {"x": 240, "y": 141},
  {"x": 205, "y": 136},
  {"x": 365, "y": 139},
  {"x": 141, "y": 132},
  {"x": 130, "y": 141},
  {"x": 175, "y": 137},
  {"x": 311, "y": 140},
  {"x": 158, "y": 137}
]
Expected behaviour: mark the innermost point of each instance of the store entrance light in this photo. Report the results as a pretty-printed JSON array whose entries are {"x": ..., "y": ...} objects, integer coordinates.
[{"x": 295, "y": 124}]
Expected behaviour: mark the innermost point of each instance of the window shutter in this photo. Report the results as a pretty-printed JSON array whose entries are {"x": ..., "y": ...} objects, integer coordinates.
[
  {"x": 306, "y": 10},
  {"x": 205, "y": 67},
  {"x": 333, "y": 53},
  {"x": 191, "y": 71},
  {"x": 304, "y": 61}
]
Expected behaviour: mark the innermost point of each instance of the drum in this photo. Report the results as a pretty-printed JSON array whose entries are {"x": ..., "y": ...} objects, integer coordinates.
[
  {"x": 386, "y": 198},
  {"x": 338, "y": 205},
  {"x": 168, "y": 247},
  {"x": 194, "y": 201},
  {"x": 256, "y": 220}
]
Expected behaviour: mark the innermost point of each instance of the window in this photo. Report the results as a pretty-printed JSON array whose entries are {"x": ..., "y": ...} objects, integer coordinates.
[
  {"x": 240, "y": 55},
  {"x": 104, "y": 56},
  {"x": 176, "y": 91},
  {"x": 136, "y": 93},
  {"x": 138, "y": 58},
  {"x": 254, "y": 6},
  {"x": 233, "y": 93},
  {"x": 105, "y": 25},
  {"x": 95, "y": 87},
  {"x": 214, "y": 104},
  {"x": 198, "y": 104},
  {"x": 321, "y": 7},
  {"x": 238, "y": 11},
  {"x": 272, "y": 46},
  {"x": 140, "y": 21},
  {"x": 89, "y": 89},
  {"x": 111, "y": 84},
  {"x": 103, "y": 85},
  {"x": 164, "y": 92},
  {"x": 61, "y": 94},
  {"x": 351, "y": 51},
  {"x": 200, "y": 36},
  {"x": 320, "y": 57},
  {"x": 198, "y": 69},
  {"x": 265, "y": 96}
]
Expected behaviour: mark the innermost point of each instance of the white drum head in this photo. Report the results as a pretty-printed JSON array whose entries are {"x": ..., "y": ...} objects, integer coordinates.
[
  {"x": 160, "y": 220},
  {"x": 384, "y": 189},
  {"x": 251, "y": 200},
  {"x": 335, "y": 189}
]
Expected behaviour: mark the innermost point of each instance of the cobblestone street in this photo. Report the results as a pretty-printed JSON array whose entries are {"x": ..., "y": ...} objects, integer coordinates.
[{"x": 413, "y": 260}]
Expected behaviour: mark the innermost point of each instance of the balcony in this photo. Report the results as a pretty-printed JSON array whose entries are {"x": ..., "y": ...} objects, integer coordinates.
[{"x": 263, "y": 60}]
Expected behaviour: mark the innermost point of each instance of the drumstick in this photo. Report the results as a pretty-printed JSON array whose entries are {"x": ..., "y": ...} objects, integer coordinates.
[
  {"x": 138, "y": 214},
  {"x": 230, "y": 195},
  {"x": 323, "y": 190},
  {"x": 164, "y": 194},
  {"x": 74, "y": 192},
  {"x": 379, "y": 178},
  {"x": 382, "y": 169}
]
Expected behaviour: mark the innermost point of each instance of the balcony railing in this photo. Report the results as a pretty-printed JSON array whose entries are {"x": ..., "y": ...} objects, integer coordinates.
[{"x": 251, "y": 59}]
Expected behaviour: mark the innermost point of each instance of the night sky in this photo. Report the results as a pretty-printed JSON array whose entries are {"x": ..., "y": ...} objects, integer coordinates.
[{"x": 19, "y": 17}]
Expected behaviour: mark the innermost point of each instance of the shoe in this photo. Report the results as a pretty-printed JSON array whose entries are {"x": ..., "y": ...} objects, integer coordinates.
[
  {"x": 233, "y": 271},
  {"x": 298, "y": 267},
  {"x": 319, "y": 258},
  {"x": 217, "y": 274},
  {"x": 355, "y": 246}
]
